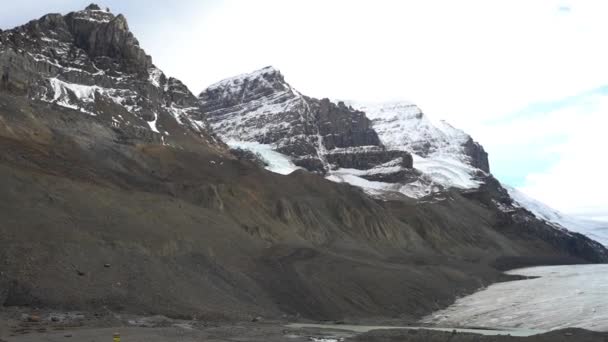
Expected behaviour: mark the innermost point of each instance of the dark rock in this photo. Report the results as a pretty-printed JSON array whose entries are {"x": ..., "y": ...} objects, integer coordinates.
[
  {"x": 342, "y": 127},
  {"x": 250, "y": 156},
  {"x": 93, "y": 7},
  {"x": 402, "y": 176},
  {"x": 479, "y": 157},
  {"x": 110, "y": 38},
  {"x": 310, "y": 163},
  {"x": 367, "y": 158}
]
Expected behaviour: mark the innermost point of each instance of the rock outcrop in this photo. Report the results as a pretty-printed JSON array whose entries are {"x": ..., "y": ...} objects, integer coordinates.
[{"x": 478, "y": 156}]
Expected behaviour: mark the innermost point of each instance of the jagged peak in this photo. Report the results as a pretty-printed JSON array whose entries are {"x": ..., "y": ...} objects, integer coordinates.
[
  {"x": 99, "y": 33},
  {"x": 95, "y": 14},
  {"x": 95, "y": 7},
  {"x": 269, "y": 75},
  {"x": 92, "y": 7}
]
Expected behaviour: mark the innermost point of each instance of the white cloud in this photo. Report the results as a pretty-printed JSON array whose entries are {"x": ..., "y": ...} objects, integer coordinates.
[
  {"x": 462, "y": 60},
  {"x": 577, "y": 183}
]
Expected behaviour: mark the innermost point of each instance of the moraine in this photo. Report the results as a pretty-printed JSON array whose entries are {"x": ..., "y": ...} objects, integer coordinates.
[{"x": 560, "y": 296}]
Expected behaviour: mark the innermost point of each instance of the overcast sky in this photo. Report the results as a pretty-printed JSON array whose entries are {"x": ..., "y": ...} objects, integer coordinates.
[{"x": 528, "y": 79}]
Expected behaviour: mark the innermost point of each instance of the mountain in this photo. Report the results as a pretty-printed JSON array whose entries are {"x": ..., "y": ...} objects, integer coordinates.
[
  {"x": 403, "y": 125},
  {"x": 118, "y": 196},
  {"x": 261, "y": 111},
  {"x": 318, "y": 135},
  {"x": 448, "y": 157},
  {"x": 369, "y": 145},
  {"x": 443, "y": 157},
  {"x": 89, "y": 61}
]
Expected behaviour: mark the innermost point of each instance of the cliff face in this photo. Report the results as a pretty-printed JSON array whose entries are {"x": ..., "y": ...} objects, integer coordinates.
[
  {"x": 90, "y": 62},
  {"x": 479, "y": 157},
  {"x": 318, "y": 135}
]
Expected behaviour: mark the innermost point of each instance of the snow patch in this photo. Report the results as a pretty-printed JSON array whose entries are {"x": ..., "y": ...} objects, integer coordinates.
[
  {"x": 154, "y": 76},
  {"x": 152, "y": 124},
  {"x": 62, "y": 91},
  {"x": 447, "y": 170},
  {"x": 277, "y": 162}
]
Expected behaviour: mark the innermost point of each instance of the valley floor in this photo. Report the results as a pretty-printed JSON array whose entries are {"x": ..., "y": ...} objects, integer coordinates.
[
  {"x": 556, "y": 297},
  {"x": 580, "y": 287},
  {"x": 157, "y": 329}
]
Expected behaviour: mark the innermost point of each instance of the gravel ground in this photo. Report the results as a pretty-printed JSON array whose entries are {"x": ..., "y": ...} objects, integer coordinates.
[{"x": 20, "y": 326}]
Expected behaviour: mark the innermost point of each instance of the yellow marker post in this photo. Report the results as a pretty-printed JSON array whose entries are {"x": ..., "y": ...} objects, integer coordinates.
[{"x": 116, "y": 337}]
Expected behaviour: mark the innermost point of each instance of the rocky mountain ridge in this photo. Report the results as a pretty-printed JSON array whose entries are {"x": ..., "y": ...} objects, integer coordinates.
[
  {"x": 89, "y": 61},
  {"x": 368, "y": 145},
  {"x": 443, "y": 157},
  {"x": 318, "y": 135},
  {"x": 113, "y": 217}
]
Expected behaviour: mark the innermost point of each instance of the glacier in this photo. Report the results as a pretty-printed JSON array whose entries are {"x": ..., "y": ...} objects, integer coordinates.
[{"x": 560, "y": 297}]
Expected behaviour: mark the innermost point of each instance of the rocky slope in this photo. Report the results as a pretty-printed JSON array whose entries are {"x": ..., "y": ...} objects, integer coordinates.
[{"x": 115, "y": 217}]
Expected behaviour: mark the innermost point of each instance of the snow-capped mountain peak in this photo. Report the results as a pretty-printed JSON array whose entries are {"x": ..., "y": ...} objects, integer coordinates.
[
  {"x": 403, "y": 125},
  {"x": 258, "y": 106},
  {"x": 266, "y": 79},
  {"x": 319, "y": 135},
  {"x": 370, "y": 145},
  {"x": 445, "y": 156}
]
